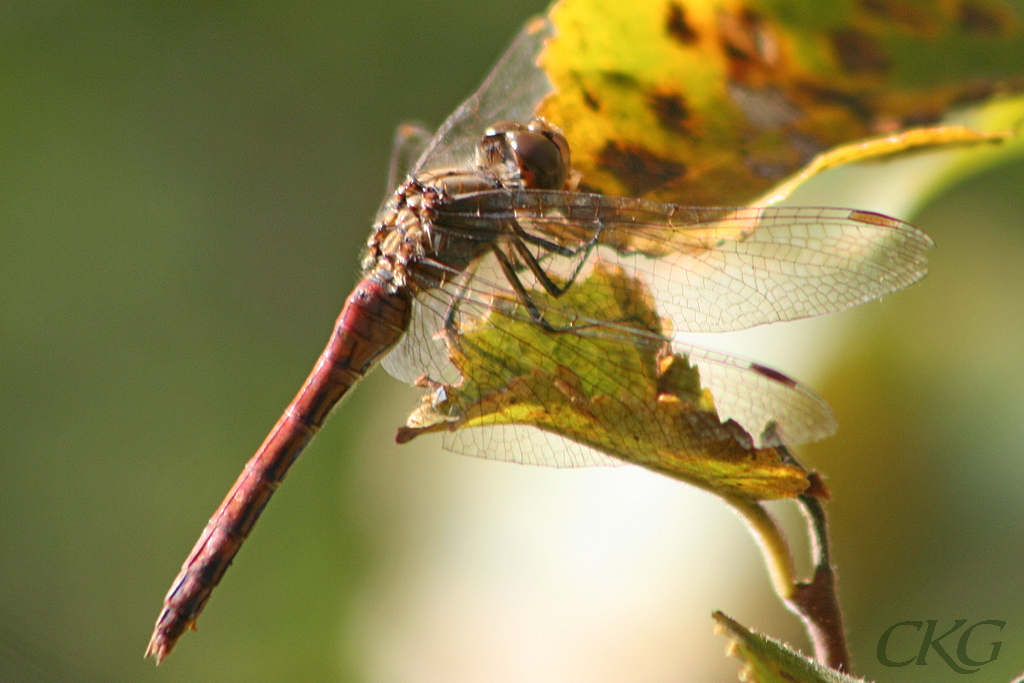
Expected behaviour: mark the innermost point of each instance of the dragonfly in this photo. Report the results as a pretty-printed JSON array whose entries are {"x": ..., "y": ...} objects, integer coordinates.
[{"x": 489, "y": 212}]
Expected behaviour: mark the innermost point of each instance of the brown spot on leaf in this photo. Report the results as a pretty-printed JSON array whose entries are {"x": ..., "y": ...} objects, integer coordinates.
[
  {"x": 985, "y": 18},
  {"x": 902, "y": 13},
  {"x": 859, "y": 53},
  {"x": 827, "y": 96},
  {"x": 670, "y": 109},
  {"x": 620, "y": 79},
  {"x": 920, "y": 119},
  {"x": 978, "y": 92},
  {"x": 737, "y": 35},
  {"x": 639, "y": 169},
  {"x": 675, "y": 24},
  {"x": 749, "y": 44},
  {"x": 589, "y": 100}
]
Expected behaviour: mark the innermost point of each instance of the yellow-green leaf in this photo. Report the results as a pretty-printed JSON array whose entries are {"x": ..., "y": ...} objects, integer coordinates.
[
  {"x": 616, "y": 387},
  {"x": 767, "y": 660},
  {"x": 715, "y": 101}
]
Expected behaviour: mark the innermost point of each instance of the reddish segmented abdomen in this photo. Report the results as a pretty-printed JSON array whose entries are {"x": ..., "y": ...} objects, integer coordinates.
[{"x": 371, "y": 322}]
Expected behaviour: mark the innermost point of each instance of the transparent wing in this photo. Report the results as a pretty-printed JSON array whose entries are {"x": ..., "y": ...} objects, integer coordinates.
[
  {"x": 715, "y": 269},
  {"x": 754, "y": 396},
  {"x": 511, "y": 92},
  {"x": 525, "y": 445},
  {"x": 708, "y": 269},
  {"x": 758, "y": 397}
]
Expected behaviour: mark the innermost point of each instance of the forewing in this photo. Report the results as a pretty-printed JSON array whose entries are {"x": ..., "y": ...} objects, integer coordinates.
[
  {"x": 717, "y": 269},
  {"x": 511, "y": 92}
]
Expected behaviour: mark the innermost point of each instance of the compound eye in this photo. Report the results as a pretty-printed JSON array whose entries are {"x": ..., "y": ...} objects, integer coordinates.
[
  {"x": 495, "y": 151},
  {"x": 555, "y": 135},
  {"x": 543, "y": 163}
]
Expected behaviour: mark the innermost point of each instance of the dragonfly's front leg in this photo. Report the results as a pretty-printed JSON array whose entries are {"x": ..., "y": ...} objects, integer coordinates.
[
  {"x": 509, "y": 269},
  {"x": 517, "y": 285},
  {"x": 450, "y": 327},
  {"x": 519, "y": 239}
]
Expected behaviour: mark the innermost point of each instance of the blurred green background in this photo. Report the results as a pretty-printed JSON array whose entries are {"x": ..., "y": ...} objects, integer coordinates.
[{"x": 184, "y": 189}]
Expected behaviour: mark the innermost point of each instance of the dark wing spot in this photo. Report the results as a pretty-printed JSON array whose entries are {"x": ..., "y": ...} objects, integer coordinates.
[
  {"x": 675, "y": 24},
  {"x": 639, "y": 169},
  {"x": 670, "y": 109},
  {"x": 859, "y": 53},
  {"x": 985, "y": 18},
  {"x": 872, "y": 218},
  {"x": 773, "y": 374}
]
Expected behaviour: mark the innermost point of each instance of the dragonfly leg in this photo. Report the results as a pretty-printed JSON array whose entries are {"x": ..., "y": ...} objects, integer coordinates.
[
  {"x": 517, "y": 285},
  {"x": 510, "y": 273},
  {"x": 521, "y": 237},
  {"x": 509, "y": 269},
  {"x": 547, "y": 244},
  {"x": 449, "y": 329},
  {"x": 633, "y": 328}
]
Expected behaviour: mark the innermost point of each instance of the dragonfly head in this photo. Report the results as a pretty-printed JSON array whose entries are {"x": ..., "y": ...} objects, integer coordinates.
[{"x": 534, "y": 156}]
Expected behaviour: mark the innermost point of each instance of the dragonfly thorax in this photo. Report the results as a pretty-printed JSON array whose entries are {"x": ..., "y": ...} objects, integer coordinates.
[{"x": 406, "y": 249}]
